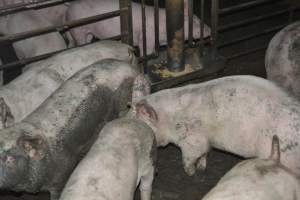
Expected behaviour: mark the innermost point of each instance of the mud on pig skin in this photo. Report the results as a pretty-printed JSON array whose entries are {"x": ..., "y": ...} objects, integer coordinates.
[
  {"x": 40, "y": 152},
  {"x": 260, "y": 179},
  {"x": 24, "y": 94},
  {"x": 111, "y": 27},
  {"x": 282, "y": 60},
  {"x": 122, "y": 157},
  {"x": 237, "y": 114}
]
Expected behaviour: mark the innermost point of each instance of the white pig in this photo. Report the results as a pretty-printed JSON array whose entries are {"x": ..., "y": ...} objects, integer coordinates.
[
  {"x": 24, "y": 94},
  {"x": 282, "y": 60},
  {"x": 122, "y": 157},
  {"x": 259, "y": 179},
  {"x": 111, "y": 27},
  {"x": 237, "y": 114}
]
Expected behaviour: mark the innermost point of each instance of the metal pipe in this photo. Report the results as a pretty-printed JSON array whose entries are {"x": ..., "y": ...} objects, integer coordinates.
[
  {"x": 26, "y": 61},
  {"x": 29, "y": 5},
  {"x": 175, "y": 35},
  {"x": 126, "y": 21},
  {"x": 144, "y": 28},
  {"x": 191, "y": 13},
  {"x": 144, "y": 63},
  {"x": 201, "y": 45},
  {"x": 249, "y": 21},
  {"x": 243, "y": 6},
  {"x": 156, "y": 26},
  {"x": 246, "y": 53},
  {"x": 214, "y": 23},
  {"x": 20, "y": 36},
  {"x": 267, "y": 31}
]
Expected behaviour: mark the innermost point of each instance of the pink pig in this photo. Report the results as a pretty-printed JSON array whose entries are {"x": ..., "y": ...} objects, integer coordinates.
[{"x": 111, "y": 27}]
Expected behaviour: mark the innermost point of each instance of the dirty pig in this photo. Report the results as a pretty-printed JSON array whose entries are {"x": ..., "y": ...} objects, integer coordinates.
[
  {"x": 237, "y": 114},
  {"x": 282, "y": 59},
  {"x": 122, "y": 158},
  {"x": 40, "y": 153},
  {"x": 24, "y": 94},
  {"x": 260, "y": 179}
]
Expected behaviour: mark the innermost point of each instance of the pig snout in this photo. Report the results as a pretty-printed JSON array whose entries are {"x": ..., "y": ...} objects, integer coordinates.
[{"x": 13, "y": 169}]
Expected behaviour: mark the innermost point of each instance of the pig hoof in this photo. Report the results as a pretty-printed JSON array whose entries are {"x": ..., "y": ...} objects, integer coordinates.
[
  {"x": 191, "y": 170},
  {"x": 201, "y": 164}
]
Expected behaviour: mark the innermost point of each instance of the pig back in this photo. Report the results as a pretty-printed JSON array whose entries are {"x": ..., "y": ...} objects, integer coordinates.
[
  {"x": 80, "y": 107},
  {"x": 28, "y": 91}
]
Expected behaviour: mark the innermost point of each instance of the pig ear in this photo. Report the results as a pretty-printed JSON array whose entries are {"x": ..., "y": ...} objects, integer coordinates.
[
  {"x": 6, "y": 118},
  {"x": 145, "y": 112},
  {"x": 275, "y": 152},
  {"x": 34, "y": 147},
  {"x": 141, "y": 88}
]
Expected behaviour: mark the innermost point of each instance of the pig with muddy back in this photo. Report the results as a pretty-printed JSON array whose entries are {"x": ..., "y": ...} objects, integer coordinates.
[
  {"x": 40, "y": 153},
  {"x": 237, "y": 114},
  {"x": 24, "y": 94},
  {"x": 122, "y": 158},
  {"x": 260, "y": 179},
  {"x": 111, "y": 27}
]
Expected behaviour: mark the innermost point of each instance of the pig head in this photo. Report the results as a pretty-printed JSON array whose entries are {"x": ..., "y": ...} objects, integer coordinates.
[{"x": 18, "y": 158}]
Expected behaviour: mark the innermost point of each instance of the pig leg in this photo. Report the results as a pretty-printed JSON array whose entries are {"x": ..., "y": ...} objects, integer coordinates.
[
  {"x": 141, "y": 88},
  {"x": 7, "y": 118},
  {"x": 194, "y": 148},
  {"x": 146, "y": 184},
  {"x": 201, "y": 164}
]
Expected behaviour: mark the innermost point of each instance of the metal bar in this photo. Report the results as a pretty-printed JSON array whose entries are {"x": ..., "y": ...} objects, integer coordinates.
[
  {"x": 201, "y": 45},
  {"x": 144, "y": 28},
  {"x": 264, "y": 32},
  {"x": 30, "y": 5},
  {"x": 191, "y": 13},
  {"x": 20, "y": 36},
  {"x": 126, "y": 21},
  {"x": 156, "y": 26},
  {"x": 244, "y": 6},
  {"x": 26, "y": 61},
  {"x": 214, "y": 23},
  {"x": 144, "y": 50},
  {"x": 249, "y": 21},
  {"x": 245, "y": 53},
  {"x": 175, "y": 35}
]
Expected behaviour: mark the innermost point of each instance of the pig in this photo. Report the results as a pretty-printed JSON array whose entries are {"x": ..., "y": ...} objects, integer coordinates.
[
  {"x": 237, "y": 114},
  {"x": 24, "y": 94},
  {"x": 260, "y": 179},
  {"x": 111, "y": 27},
  {"x": 40, "y": 153},
  {"x": 282, "y": 60},
  {"x": 28, "y": 21},
  {"x": 54, "y": 14},
  {"x": 122, "y": 158}
]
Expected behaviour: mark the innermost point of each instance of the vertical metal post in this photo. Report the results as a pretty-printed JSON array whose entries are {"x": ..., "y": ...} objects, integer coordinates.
[
  {"x": 156, "y": 28},
  {"x": 126, "y": 21},
  {"x": 191, "y": 13},
  {"x": 175, "y": 34},
  {"x": 144, "y": 50},
  {"x": 214, "y": 23},
  {"x": 201, "y": 47}
]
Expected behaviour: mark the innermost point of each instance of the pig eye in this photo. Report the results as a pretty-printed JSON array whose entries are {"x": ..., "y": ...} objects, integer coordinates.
[{"x": 10, "y": 161}]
